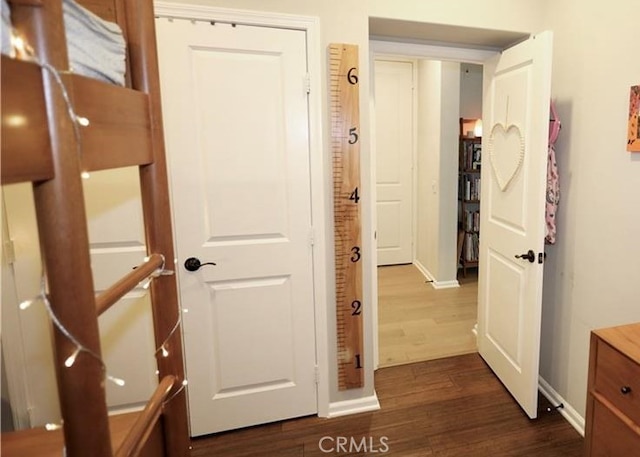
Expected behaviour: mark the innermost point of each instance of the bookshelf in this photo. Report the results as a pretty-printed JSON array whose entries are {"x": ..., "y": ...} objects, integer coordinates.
[{"x": 469, "y": 157}]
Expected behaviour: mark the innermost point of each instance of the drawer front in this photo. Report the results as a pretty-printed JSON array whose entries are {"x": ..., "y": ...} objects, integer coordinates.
[
  {"x": 615, "y": 375},
  {"x": 611, "y": 438}
]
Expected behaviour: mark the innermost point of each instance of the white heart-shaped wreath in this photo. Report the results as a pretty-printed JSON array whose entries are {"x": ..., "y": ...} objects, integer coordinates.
[{"x": 506, "y": 153}]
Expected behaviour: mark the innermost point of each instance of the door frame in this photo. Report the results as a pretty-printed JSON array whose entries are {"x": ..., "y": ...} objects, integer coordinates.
[
  {"x": 311, "y": 26},
  {"x": 413, "y": 51}
]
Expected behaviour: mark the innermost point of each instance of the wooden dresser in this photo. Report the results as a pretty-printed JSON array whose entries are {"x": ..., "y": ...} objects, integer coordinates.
[{"x": 613, "y": 397}]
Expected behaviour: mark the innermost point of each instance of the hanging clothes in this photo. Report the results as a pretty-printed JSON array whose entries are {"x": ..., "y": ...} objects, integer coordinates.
[{"x": 553, "y": 182}]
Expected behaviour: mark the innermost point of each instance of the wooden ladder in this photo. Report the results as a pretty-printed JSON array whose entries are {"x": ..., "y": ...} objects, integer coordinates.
[{"x": 64, "y": 242}]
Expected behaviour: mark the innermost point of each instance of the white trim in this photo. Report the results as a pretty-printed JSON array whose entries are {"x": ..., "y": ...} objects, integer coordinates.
[
  {"x": 425, "y": 272},
  {"x": 430, "y": 278},
  {"x": 12, "y": 347},
  {"x": 359, "y": 405},
  {"x": 430, "y": 51},
  {"x": 311, "y": 26},
  {"x": 118, "y": 410},
  {"x": 445, "y": 284},
  {"x": 235, "y": 16},
  {"x": 374, "y": 212},
  {"x": 568, "y": 412}
]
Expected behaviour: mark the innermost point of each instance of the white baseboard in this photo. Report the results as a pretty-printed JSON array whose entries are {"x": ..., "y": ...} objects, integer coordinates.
[
  {"x": 445, "y": 284},
  {"x": 360, "y": 405},
  {"x": 126, "y": 409},
  {"x": 430, "y": 278},
  {"x": 567, "y": 411}
]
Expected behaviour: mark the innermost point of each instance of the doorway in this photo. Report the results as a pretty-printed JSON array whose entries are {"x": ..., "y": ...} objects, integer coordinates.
[{"x": 426, "y": 310}]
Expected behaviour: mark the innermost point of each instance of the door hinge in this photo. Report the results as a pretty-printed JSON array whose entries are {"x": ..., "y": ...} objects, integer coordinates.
[
  {"x": 9, "y": 251},
  {"x": 317, "y": 374},
  {"x": 307, "y": 83},
  {"x": 312, "y": 236}
]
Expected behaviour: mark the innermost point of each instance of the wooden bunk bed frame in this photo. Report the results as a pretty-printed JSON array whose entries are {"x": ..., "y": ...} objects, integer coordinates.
[{"x": 125, "y": 130}]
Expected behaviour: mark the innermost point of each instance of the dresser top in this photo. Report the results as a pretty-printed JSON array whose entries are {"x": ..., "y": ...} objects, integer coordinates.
[{"x": 625, "y": 338}]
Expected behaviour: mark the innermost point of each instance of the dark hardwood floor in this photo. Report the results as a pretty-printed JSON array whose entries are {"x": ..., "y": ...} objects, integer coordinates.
[{"x": 447, "y": 407}]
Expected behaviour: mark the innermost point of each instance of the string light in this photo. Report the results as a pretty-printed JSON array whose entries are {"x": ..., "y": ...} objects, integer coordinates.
[
  {"x": 177, "y": 392},
  {"x": 117, "y": 381},
  {"x": 163, "y": 347},
  {"x": 79, "y": 347},
  {"x": 24, "y": 51},
  {"x": 83, "y": 121},
  {"x": 51, "y": 427},
  {"x": 72, "y": 358},
  {"x": 25, "y": 304}
]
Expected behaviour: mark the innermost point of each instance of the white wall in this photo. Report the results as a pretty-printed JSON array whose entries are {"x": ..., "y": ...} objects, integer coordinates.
[
  {"x": 438, "y": 112},
  {"x": 450, "y": 115},
  {"x": 592, "y": 273},
  {"x": 428, "y": 204},
  {"x": 470, "y": 91},
  {"x": 511, "y": 15}
]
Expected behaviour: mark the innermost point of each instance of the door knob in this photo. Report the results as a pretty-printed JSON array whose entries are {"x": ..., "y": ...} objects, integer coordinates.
[
  {"x": 194, "y": 264},
  {"x": 530, "y": 256}
]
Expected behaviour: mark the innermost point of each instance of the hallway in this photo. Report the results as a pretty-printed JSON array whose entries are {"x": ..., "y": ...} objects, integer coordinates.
[{"x": 418, "y": 322}]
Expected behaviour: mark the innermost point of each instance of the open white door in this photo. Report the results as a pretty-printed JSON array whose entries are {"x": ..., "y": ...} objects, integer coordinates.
[{"x": 516, "y": 120}]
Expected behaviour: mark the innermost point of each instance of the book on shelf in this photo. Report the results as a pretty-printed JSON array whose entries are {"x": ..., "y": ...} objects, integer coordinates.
[
  {"x": 472, "y": 155},
  {"x": 471, "y": 187},
  {"x": 472, "y": 221},
  {"x": 472, "y": 247}
]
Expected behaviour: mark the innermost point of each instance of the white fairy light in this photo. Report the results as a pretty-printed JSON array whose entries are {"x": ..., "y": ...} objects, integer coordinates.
[
  {"x": 83, "y": 121},
  {"x": 165, "y": 352},
  {"x": 117, "y": 381},
  {"x": 25, "y": 304},
  {"x": 51, "y": 427},
  {"x": 72, "y": 358},
  {"x": 85, "y": 175}
]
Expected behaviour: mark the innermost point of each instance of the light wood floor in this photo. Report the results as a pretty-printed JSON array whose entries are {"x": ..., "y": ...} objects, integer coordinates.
[{"x": 417, "y": 322}]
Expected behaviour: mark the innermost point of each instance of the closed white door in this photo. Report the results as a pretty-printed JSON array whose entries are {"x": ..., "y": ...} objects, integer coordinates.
[
  {"x": 394, "y": 160},
  {"x": 236, "y": 124},
  {"x": 116, "y": 236},
  {"x": 516, "y": 121}
]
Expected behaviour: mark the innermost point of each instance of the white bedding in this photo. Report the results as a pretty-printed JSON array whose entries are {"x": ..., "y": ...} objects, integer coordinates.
[{"x": 96, "y": 47}]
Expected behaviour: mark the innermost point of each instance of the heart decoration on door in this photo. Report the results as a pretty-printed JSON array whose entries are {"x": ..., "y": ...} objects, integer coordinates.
[{"x": 506, "y": 153}]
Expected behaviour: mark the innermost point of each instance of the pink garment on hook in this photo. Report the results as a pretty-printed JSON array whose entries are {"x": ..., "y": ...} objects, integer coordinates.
[{"x": 553, "y": 183}]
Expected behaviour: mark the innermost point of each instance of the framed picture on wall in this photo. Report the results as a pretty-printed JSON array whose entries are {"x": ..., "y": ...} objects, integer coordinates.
[{"x": 633, "y": 139}]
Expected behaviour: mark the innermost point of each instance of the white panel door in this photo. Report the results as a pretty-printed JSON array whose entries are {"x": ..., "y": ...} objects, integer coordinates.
[
  {"x": 236, "y": 124},
  {"x": 394, "y": 161},
  {"x": 116, "y": 236},
  {"x": 516, "y": 120},
  {"x": 117, "y": 244}
]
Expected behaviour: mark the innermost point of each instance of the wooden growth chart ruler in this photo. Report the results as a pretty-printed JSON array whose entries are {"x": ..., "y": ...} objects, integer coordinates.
[{"x": 345, "y": 147}]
